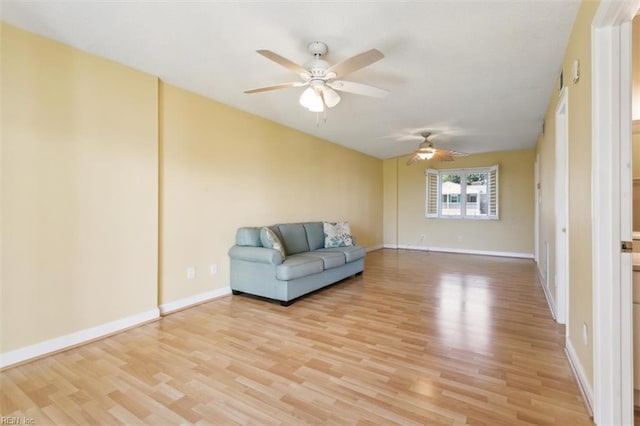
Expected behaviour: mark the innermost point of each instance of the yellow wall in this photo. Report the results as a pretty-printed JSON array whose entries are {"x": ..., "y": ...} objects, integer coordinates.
[
  {"x": 113, "y": 183},
  {"x": 513, "y": 233},
  {"x": 222, "y": 168},
  {"x": 579, "y": 203},
  {"x": 79, "y": 190}
]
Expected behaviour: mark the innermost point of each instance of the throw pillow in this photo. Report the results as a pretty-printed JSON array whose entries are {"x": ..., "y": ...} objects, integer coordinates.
[
  {"x": 270, "y": 240},
  {"x": 337, "y": 234}
]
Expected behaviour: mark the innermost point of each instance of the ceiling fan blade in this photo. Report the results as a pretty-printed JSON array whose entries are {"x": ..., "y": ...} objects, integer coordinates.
[
  {"x": 283, "y": 61},
  {"x": 454, "y": 153},
  {"x": 355, "y": 63},
  {"x": 275, "y": 87},
  {"x": 357, "y": 88},
  {"x": 330, "y": 96},
  {"x": 413, "y": 159},
  {"x": 442, "y": 156}
]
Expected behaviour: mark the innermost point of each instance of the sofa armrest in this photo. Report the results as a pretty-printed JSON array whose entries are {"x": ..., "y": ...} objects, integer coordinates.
[{"x": 256, "y": 254}]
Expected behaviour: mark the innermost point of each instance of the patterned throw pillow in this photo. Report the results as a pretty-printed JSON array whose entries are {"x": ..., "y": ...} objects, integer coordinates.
[
  {"x": 337, "y": 234},
  {"x": 270, "y": 240}
]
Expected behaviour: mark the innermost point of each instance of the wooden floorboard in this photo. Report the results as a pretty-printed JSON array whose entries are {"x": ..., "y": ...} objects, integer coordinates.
[{"x": 420, "y": 338}]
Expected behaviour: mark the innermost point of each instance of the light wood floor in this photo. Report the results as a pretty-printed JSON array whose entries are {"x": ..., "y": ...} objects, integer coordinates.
[{"x": 420, "y": 338}]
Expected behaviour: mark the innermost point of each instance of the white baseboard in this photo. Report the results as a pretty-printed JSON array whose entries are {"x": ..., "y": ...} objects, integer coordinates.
[
  {"x": 67, "y": 341},
  {"x": 176, "y": 305},
  {"x": 374, "y": 248},
  {"x": 547, "y": 295},
  {"x": 462, "y": 251},
  {"x": 581, "y": 376},
  {"x": 390, "y": 246}
]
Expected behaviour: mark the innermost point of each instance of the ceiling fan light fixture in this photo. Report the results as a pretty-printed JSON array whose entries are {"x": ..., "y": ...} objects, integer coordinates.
[
  {"x": 311, "y": 100},
  {"x": 331, "y": 97},
  {"x": 426, "y": 155},
  {"x": 317, "y": 106}
]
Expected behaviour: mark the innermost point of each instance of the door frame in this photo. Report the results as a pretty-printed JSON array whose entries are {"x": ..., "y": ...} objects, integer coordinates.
[
  {"x": 611, "y": 211},
  {"x": 561, "y": 270}
]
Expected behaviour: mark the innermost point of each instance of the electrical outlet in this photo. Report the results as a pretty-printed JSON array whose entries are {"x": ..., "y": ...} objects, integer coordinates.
[
  {"x": 191, "y": 272},
  {"x": 213, "y": 268},
  {"x": 585, "y": 334}
]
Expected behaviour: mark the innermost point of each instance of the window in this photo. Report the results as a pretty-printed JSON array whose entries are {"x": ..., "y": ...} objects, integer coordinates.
[{"x": 462, "y": 193}]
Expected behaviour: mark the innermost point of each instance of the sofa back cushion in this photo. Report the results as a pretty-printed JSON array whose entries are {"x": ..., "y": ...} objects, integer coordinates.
[
  {"x": 315, "y": 235},
  {"x": 248, "y": 236},
  {"x": 294, "y": 238}
]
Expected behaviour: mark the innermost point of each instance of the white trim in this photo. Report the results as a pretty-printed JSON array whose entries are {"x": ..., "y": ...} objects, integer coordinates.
[
  {"x": 196, "y": 299},
  {"x": 611, "y": 119},
  {"x": 547, "y": 295},
  {"x": 374, "y": 248},
  {"x": 37, "y": 350},
  {"x": 391, "y": 246},
  {"x": 465, "y": 251},
  {"x": 580, "y": 375},
  {"x": 626, "y": 226}
]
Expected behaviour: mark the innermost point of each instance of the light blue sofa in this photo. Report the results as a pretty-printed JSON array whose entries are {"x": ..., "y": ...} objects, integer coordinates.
[{"x": 308, "y": 265}]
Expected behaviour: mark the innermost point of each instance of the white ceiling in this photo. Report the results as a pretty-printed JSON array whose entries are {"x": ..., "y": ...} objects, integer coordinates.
[{"x": 478, "y": 73}]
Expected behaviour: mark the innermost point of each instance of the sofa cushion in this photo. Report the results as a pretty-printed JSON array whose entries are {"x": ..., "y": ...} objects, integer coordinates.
[
  {"x": 248, "y": 237},
  {"x": 315, "y": 235},
  {"x": 294, "y": 238},
  {"x": 270, "y": 240},
  {"x": 337, "y": 234},
  {"x": 330, "y": 259},
  {"x": 350, "y": 253},
  {"x": 298, "y": 266}
]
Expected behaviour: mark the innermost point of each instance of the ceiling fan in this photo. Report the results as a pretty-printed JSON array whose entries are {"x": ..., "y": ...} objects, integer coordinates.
[
  {"x": 324, "y": 80},
  {"x": 426, "y": 151}
]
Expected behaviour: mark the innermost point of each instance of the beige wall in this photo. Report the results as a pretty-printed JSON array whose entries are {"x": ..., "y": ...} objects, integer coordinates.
[
  {"x": 635, "y": 42},
  {"x": 390, "y": 197},
  {"x": 513, "y": 233},
  {"x": 636, "y": 183},
  {"x": 636, "y": 115},
  {"x": 222, "y": 168},
  {"x": 579, "y": 203},
  {"x": 79, "y": 190},
  {"x": 112, "y": 184}
]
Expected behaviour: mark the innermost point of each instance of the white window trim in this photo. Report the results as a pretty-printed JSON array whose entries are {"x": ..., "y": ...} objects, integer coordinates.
[{"x": 436, "y": 174}]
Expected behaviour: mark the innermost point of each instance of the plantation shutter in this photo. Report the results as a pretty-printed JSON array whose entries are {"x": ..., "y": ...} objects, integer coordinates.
[
  {"x": 432, "y": 193},
  {"x": 493, "y": 193}
]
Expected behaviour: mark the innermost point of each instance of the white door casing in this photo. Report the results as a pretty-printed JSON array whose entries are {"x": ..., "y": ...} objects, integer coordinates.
[{"x": 611, "y": 211}]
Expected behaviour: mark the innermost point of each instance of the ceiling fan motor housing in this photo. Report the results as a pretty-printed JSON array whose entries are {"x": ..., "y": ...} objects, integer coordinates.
[
  {"x": 317, "y": 67},
  {"x": 317, "y": 48}
]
